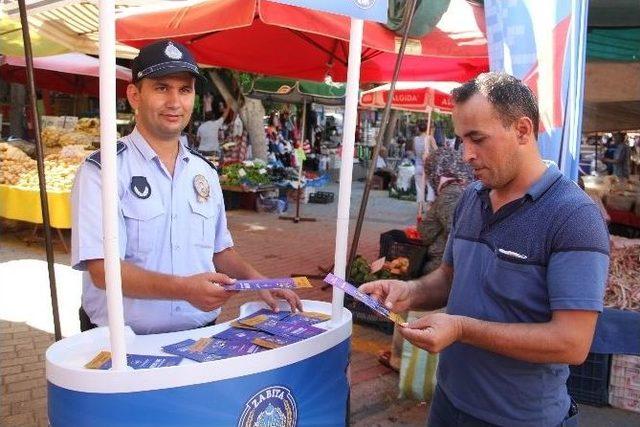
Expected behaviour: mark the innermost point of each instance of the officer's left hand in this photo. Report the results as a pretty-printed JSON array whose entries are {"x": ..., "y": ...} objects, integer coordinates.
[
  {"x": 433, "y": 332},
  {"x": 270, "y": 298}
]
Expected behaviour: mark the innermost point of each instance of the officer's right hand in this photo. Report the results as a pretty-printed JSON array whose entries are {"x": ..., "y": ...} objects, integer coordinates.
[
  {"x": 204, "y": 290},
  {"x": 394, "y": 294}
]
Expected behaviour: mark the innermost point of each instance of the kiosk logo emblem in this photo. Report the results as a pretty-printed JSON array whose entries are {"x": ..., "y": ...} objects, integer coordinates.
[{"x": 270, "y": 407}]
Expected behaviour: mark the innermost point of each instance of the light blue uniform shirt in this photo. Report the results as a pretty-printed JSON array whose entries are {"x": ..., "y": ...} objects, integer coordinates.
[{"x": 163, "y": 228}]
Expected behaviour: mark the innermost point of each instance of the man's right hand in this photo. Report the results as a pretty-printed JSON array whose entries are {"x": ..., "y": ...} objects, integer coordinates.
[
  {"x": 394, "y": 294},
  {"x": 204, "y": 290}
]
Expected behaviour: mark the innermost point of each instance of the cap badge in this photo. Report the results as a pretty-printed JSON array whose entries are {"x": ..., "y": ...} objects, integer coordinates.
[{"x": 172, "y": 52}]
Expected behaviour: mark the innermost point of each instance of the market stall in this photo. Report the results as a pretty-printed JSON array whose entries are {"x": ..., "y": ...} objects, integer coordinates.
[
  {"x": 65, "y": 149},
  {"x": 307, "y": 95}
]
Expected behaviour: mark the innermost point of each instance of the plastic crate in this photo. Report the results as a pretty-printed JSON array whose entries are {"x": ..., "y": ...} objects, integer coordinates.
[
  {"x": 624, "y": 384},
  {"x": 589, "y": 383},
  {"x": 395, "y": 243},
  {"x": 363, "y": 315},
  {"x": 322, "y": 197}
]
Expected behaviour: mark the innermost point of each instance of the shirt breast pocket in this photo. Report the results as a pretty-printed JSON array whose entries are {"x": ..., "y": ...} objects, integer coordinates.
[
  {"x": 143, "y": 220},
  {"x": 520, "y": 287},
  {"x": 203, "y": 222}
]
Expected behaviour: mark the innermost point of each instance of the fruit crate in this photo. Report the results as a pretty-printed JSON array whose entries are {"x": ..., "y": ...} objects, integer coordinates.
[
  {"x": 395, "y": 243},
  {"x": 589, "y": 383},
  {"x": 624, "y": 383}
]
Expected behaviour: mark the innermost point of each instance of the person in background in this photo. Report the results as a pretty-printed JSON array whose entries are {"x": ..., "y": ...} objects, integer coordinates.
[
  {"x": 382, "y": 170},
  {"x": 208, "y": 134},
  {"x": 238, "y": 127},
  {"x": 621, "y": 156},
  {"x": 609, "y": 152},
  {"x": 423, "y": 146},
  {"x": 635, "y": 156},
  {"x": 450, "y": 175}
]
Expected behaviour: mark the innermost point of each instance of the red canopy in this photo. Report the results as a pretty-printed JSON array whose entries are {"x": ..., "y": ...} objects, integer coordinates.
[
  {"x": 70, "y": 73},
  {"x": 411, "y": 96},
  {"x": 263, "y": 37}
]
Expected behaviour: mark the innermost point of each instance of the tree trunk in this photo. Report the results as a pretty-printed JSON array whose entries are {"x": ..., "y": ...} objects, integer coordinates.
[
  {"x": 223, "y": 89},
  {"x": 394, "y": 115},
  {"x": 252, "y": 113}
]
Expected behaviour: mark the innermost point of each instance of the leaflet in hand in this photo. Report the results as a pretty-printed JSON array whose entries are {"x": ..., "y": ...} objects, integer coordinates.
[
  {"x": 135, "y": 361},
  {"x": 260, "y": 284},
  {"x": 367, "y": 300}
]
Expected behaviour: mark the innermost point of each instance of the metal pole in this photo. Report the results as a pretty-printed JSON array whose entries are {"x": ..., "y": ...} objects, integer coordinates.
[
  {"x": 296, "y": 219},
  {"x": 385, "y": 120},
  {"x": 304, "y": 117},
  {"x": 44, "y": 200}
]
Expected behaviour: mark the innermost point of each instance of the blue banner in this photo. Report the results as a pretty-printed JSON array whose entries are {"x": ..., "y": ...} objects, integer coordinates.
[
  {"x": 368, "y": 10},
  {"x": 545, "y": 47},
  {"x": 312, "y": 392}
]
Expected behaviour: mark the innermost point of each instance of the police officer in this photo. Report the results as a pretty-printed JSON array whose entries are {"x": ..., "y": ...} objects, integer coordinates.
[{"x": 177, "y": 252}]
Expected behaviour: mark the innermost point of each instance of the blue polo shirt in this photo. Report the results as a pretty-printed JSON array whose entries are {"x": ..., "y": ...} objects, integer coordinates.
[{"x": 547, "y": 251}]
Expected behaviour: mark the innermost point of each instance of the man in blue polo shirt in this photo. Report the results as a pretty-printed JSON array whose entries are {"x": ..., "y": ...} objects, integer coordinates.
[{"x": 522, "y": 276}]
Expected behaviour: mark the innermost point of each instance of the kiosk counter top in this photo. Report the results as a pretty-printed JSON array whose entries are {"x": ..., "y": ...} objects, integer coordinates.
[{"x": 307, "y": 382}]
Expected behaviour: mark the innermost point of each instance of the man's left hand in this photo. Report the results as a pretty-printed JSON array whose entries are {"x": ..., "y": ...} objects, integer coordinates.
[
  {"x": 434, "y": 332},
  {"x": 269, "y": 296}
]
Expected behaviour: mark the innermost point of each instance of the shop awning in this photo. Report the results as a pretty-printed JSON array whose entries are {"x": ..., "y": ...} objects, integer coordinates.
[
  {"x": 270, "y": 38},
  {"x": 411, "y": 96},
  {"x": 72, "y": 25},
  {"x": 74, "y": 73},
  {"x": 12, "y": 43},
  {"x": 613, "y": 44},
  {"x": 294, "y": 91}
]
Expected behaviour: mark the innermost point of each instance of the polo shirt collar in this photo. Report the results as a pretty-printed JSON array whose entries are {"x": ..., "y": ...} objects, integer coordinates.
[
  {"x": 547, "y": 179},
  {"x": 537, "y": 189}
]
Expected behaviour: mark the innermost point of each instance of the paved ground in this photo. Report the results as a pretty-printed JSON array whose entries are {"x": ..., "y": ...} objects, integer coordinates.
[{"x": 275, "y": 247}]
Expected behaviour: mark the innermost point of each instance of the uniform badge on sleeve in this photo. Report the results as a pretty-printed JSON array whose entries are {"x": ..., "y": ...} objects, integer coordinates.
[
  {"x": 140, "y": 187},
  {"x": 201, "y": 185}
]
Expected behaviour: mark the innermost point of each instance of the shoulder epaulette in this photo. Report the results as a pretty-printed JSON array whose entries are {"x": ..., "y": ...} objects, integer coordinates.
[
  {"x": 95, "y": 156},
  {"x": 197, "y": 154}
]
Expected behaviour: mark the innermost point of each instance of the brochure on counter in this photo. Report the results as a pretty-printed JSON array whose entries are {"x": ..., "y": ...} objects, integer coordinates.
[{"x": 260, "y": 331}]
